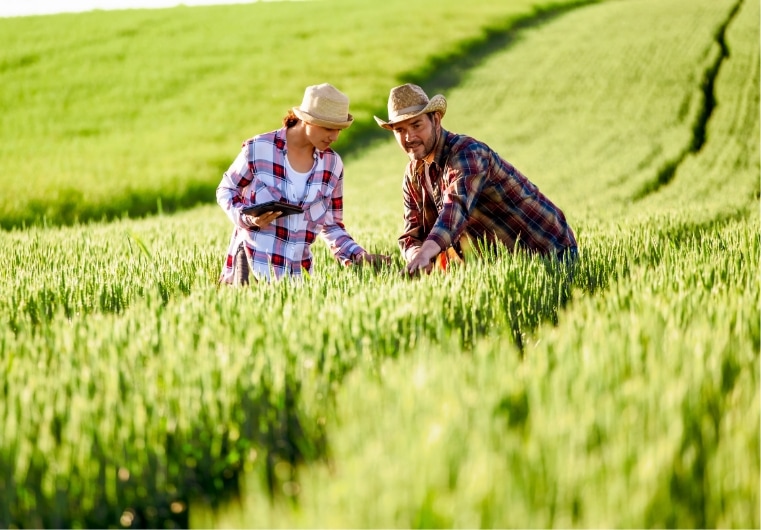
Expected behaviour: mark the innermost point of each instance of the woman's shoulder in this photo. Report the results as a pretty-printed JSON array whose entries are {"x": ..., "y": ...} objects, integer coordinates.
[
  {"x": 264, "y": 145},
  {"x": 271, "y": 137}
]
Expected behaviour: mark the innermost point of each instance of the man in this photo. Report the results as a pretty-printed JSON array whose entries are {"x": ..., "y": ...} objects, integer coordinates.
[{"x": 459, "y": 192}]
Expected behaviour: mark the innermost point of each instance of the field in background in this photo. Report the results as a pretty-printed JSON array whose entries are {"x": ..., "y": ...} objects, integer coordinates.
[
  {"x": 137, "y": 393},
  {"x": 108, "y": 114}
]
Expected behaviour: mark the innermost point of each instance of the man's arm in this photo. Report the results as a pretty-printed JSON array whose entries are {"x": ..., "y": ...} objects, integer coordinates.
[
  {"x": 416, "y": 249},
  {"x": 414, "y": 229},
  {"x": 467, "y": 175}
]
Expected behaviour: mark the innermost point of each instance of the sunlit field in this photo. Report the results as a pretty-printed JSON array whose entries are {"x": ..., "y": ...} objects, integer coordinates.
[
  {"x": 504, "y": 393},
  {"x": 136, "y": 111}
]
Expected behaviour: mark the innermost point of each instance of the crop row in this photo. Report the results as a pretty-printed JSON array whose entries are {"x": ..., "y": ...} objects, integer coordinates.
[{"x": 154, "y": 407}]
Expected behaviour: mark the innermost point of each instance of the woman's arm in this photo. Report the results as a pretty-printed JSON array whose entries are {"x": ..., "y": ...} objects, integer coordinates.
[{"x": 341, "y": 244}]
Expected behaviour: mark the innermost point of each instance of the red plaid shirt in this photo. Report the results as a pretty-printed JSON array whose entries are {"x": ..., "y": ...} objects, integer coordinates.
[
  {"x": 474, "y": 192},
  {"x": 258, "y": 175}
]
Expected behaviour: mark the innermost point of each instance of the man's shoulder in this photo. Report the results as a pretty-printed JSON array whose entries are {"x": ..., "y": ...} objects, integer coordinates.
[
  {"x": 461, "y": 141},
  {"x": 458, "y": 143}
]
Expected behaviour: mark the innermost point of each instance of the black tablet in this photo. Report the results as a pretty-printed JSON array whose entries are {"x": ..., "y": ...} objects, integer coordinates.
[{"x": 284, "y": 208}]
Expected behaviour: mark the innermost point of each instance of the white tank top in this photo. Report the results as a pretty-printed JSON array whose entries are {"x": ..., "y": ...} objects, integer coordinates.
[{"x": 298, "y": 186}]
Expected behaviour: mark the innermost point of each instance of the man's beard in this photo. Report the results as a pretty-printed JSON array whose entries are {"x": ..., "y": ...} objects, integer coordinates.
[{"x": 428, "y": 148}]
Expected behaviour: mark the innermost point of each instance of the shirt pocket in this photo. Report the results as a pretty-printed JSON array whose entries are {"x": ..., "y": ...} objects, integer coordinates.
[
  {"x": 261, "y": 193},
  {"x": 316, "y": 210}
]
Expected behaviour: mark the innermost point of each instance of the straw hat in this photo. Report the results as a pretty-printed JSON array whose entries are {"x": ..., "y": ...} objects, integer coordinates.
[
  {"x": 408, "y": 101},
  {"x": 326, "y": 106}
]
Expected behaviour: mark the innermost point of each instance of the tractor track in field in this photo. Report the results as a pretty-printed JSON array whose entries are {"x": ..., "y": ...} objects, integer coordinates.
[{"x": 668, "y": 170}]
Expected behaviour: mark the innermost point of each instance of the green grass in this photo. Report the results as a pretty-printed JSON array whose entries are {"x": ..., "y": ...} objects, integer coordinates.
[
  {"x": 107, "y": 113},
  {"x": 632, "y": 412},
  {"x": 138, "y": 393}
]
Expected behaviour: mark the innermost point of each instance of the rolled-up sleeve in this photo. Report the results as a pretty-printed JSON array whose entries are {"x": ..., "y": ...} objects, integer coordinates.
[
  {"x": 413, "y": 235},
  {"x": 230, "y": 189}
]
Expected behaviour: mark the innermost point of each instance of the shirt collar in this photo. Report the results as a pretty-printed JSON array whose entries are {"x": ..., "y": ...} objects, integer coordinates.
[
  {"x": 280, "y": 144},
  {"x": 280, "y": 140}
]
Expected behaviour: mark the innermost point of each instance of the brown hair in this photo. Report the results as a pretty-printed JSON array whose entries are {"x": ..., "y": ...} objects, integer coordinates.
[{"x": 290, "y": 119}]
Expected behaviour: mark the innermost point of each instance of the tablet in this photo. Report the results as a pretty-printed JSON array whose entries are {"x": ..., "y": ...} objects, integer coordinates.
[{"x": 284, "y": 208}]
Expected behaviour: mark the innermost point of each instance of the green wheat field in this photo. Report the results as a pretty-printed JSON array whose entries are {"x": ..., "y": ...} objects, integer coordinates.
[{"x": 137, "y": 393}]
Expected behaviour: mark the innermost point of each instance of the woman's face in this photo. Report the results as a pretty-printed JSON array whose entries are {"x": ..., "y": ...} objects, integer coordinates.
[{"x": 321, "y": 137}]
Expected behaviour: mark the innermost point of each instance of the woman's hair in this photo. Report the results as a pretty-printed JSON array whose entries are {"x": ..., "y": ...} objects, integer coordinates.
[{"x": 290, "y": 119}]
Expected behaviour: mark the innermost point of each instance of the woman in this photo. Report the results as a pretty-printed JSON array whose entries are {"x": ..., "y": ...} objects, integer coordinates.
[{"x": 296, "y": 165}]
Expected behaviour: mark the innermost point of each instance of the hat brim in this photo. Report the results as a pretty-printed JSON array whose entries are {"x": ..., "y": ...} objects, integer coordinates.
[
  {"x": 437, "y": 104},
  {"x": 314, "y": 120}
]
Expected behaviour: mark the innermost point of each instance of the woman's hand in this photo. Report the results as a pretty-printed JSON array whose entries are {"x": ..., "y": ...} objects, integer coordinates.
[
  {"x": 262, "y": 220},
  {"x": 372, "y": 259}
]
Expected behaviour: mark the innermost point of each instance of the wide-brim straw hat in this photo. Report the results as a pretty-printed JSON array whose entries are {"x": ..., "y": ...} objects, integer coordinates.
[
  {"x": 326, "y": 106},
  {"x": 408, "y": 101}
]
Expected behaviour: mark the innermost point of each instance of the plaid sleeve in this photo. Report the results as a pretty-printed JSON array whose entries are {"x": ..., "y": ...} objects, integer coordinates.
[
  {"x": 486, "y": 191},
  {"x": 341, "y": 244},
  {"x": 466, "y": 176},
  {"x": 413, "y": 234},
  {"x": 234, "y": 181}
]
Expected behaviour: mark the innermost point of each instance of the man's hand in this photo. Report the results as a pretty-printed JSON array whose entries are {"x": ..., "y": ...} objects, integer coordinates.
[
  {"x": 262, "y": 220},
  {"x": 422, "y": 260}
]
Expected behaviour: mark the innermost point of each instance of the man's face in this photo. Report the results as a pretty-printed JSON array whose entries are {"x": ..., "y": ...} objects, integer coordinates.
[{"x": 417, "y": 136}]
